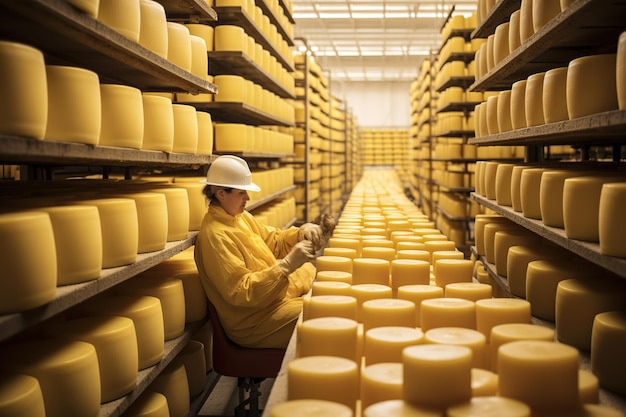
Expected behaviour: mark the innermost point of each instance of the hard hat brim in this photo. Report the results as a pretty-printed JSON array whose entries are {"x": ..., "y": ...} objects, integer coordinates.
[{"x": 250, "y": 187}]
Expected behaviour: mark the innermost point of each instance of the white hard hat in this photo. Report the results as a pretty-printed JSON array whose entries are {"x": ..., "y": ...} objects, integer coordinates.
[{"x": 231, "y": 172}]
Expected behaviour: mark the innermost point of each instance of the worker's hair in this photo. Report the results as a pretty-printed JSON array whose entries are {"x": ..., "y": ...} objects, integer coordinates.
[{"x": 210, "y": 190}]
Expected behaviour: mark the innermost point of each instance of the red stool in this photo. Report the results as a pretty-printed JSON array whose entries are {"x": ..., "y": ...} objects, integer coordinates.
[{"x": 249, "y": 365}]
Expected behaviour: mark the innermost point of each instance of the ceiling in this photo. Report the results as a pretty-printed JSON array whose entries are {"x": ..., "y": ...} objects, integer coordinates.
[{"x": 369, "y": 40}]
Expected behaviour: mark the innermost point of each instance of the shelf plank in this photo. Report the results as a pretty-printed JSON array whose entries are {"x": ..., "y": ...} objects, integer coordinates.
[
  {"x": 500, "y": 13},
  {"x": 460, "y": 81},
  {"x": 70, "y": 37},
  {"x": 458, "y": 106},
  {"x": 586, "y": 27},
  {"x": 236, "y": 62},
  {"x": 188, "y": 11},
  {"x": 231, "y": 112},
  {"x": 587, "y": 250},
  {"x": 15, "y": 150},
  {"x": 254, "y": 204},
  {"x": 597, "y": 129},
  {"x": 70, "y": 295}
]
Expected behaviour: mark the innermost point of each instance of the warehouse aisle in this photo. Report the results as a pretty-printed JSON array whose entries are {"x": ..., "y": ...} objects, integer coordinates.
[{"x": 225, "y": 396}]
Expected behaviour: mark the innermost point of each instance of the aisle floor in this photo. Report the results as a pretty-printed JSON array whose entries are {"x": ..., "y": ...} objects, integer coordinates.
[{"x": 225, "y": 396}]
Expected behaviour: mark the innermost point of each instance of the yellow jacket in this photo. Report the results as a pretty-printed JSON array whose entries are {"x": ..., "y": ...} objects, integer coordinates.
[{"x": 236, "y": 258}]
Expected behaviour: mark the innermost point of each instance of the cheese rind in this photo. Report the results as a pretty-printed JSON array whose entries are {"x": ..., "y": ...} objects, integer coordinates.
[{"x": 608, "y": 340}]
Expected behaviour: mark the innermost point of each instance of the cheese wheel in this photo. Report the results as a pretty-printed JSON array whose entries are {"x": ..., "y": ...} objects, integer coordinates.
[
  {"x": 197, "y": 203},
  {"x": 339, "y": 276},
  {"x": 417, "y": 293},
  {"x": 381, "y": 382},
  {"x": 578, "y": 301},
  {"x": 333, "y": 336},
  {"x": 383, "y": 312},
  {"x": 503, "y": 184},
  {"x": 345, "y": 306},
  {"x": 230, "y": 38},
  {"x": 151, "y": 220},
  {"x": 385, "y": 344},
  {"x": 551, "y": 195},
  {"x": 448, "y": 271},
  {"x": 436, "y": 375},
  {"x": 195, "y": 298},
  {"x": 514, "y": 31},
  {"x": 447, "y": 312},
  {"x": 20, "y": 396},
  {"x": 542, "y": 374},
  {"x": 74, "y": 105},
  {"x": 581, "y": 206},
  {"x": 398, "y": 408},
  {"x": 502, "y": 242},
  {"x": 158, "y": 117},
  {"x": 370, "y": 271},
  {"x": 518, "y": 258},
  {"x": 330, "y": 288},
  {"x": 334, "y": 263},
  {"x": 172, "y": 384},
  {"x": 501, "y": 42},
  {"x": 518, "y": 104},
  {"x": 364, "y": 292},
  {"x": 544, "y": 11},
  {"x": 479, "y": 226},
  {"x": 492, "y": 116},
  {"x": 171, "y": 294},
  {"x": 231, "y": 88},
  {"x": 67, "y": 372},
  {"x": 489, "y": 52},
  {"x": 185, "y": 129},
  {"x": 526, "y": 20},
  {"x": 342, "y": 252},
  {"x": 533, "y": 100},
  {"x": 205, "y": 31},
  {"x": 116, "y": 347},
  {"x": 472, "y": 291},
  {"x": 620, "y": 69},
  {"x": 608, "y": 339},
  {"x": 484, "y": 383},
  {"x": 153, "y": 27},
  {"x": 490, "y": 406},
  {"x": 121, "y": 16},
  {"x": 311, "y": 408},
  {"x": 199, "y": 58},
  {"x": 121, "y": 116},
  {"x": 555, "y": 95},
  {"x": 516, "y": 187},
  {"x": 591, "y": 85},
  {"x": 149, "y": 404},
  {"x": 445, "y": 254},
  {"x": 459, "y": 336},
  {"x": 193, "y": 359},
  {"x": 491, "y": 312},
  {"x": 611, "y": 230},
  {"x": 503, "y": 111},
  {"x": 490, "y": 179},
  {"x": 511, "y": 332},
  {"x": 179, "y": 45},
  {"x": 177, "y": 201},
  {"x": 375, "y": 252},
  {"x": 588, "y": 387},
  {"x": 409, "y": 272},
  {"x": 530, "y": 182},
  {"x": 231, "y": 137},
  {"x": 489, "y": 231},
  {"x": 327, "y": 378}
]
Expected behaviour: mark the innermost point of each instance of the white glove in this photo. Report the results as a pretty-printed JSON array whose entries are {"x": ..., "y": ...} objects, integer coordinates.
[
  {"x": 301, "y": 253},
  {"x": 311, "y": 232},
  {"x": 328, "y": 224}
]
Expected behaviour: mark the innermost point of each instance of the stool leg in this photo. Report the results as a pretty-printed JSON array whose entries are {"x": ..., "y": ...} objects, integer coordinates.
[{"x": 251, "y": 385}]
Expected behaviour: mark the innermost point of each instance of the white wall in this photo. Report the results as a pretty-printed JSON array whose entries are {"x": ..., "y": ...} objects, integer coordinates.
[{"x": 376, "y": 104}]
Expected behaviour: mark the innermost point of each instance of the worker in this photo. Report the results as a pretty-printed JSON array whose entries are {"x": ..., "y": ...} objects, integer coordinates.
[{"x": 254, "y": 274}]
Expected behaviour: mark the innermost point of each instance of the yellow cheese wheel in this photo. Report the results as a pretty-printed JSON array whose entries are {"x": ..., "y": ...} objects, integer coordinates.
[
  {"x": 504, "y": 111},
  {"x": 503, "y": 184},
  {"x": 484, "y": 383},
  {"x": 544, "y": 11},
  {"x": 24, "y": 85},
  {"x": 514, "y": 31},
  {"x": 204, "y": 335},
  {"x": 172, "y": 384},
  {"x": 491, "y": 312},
  {"x": 448, "y": 271},
  {"x": 67, "y": 372},
  {"x": 116, "y": 347},
  {"x": 588, "y": 387},
  {"x": 20, "y": 396},
  {"x": 542, "y": 374},
  {"x": 179, "y": 45},
  {"x": 197, "y": 203},
  {"x": 490, "y": 52},
  {"x": 409, "y": 272},
  {"x": 370, "y": 271},
  {"x": 436, "y": 375},
  {"x": 383, "y": 312},
  {"x": 447, "y": 312},
  {"x": 611, "y": 230},
  {"x": 327, "y": 378},
  {"x": 121, "y": 16},
  {"x": 459, "y": 336},
  {"x": 345, "y": 306},
  {"x": 518, "y": 104},
  {"x": 516, "y": 187},
  {"x": 555, "y": 95},
  {"x": 149, "y": 404},
  {"x": 551, "y": 195},
  {"x": 333, "y": 336},
  {"x": 376, "y": 252},
  {"x": 526, "y": 20},
  {"x": 25, "y": 284},
  {"x": 479, "y": 226},
  {"x": 177, "y": 201},
  {"x": 231, "y": 137},
  {"x": 518, "y": 258},
  {"x": 381, "y": 382},
  {"x": 330, "y": 288},
  {"x": 418, "y": 255},
  {"x": 511, "y": 332},
  {"x": 533, "y": 100},
  {"x": 153, "y": 27},
  {"x": 230, "y": 38},
  {"x": 364, "y": 292},
  {"x": 205, "y": 133},
  {"x": 591, "y": 85},
  {"x": 310, "y": 408},
  {"x": 342, "y": 252},
  {"x": 195, "y": 298},
  {"x": 151, "y": 220},
  {"x": 122, "y": 116},
  {"x": 490, "y": 178},
  {"x": 74, "y": 106},
  {"x": 334, "y": 263},
  {"x": 472, "y": 291},
  {"x": 205, "y": 31},
  {"x": 530, "y": 182},
  {"x": 490, "y": 406},
  {"x": 489, "y": 231},
  {"x": 578, "y": 301},
  {"x": 608, "y": 339},
  {"x": 502, "y": 242},
  {"x": 185, "y": 129},
  {"x": 492, "y": 115},
  {"x": 501, "y": 42},
  {"x": 385, "y": 344},
  {"x": 417, "y": 293},
  {"x": 158, "y": 117},
  {"x": 339, "y": 276},
  {"x": 399, "y": 408},
  {"x": 621, "y": 71},
  {"x": 231, "y": 88},
  {"x": 192, "y": 358},
  {"x": 199, "y": 58}
]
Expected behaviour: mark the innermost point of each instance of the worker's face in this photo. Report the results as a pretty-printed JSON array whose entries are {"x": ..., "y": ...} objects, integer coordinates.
[{"x": 233, "y": 202}]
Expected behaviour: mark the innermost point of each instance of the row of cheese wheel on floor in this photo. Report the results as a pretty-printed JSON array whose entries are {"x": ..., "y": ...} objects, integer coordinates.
[
  {"x": 69, "y": 104},
  {"x": 586, "y": 86},
  {"x": 586, "y": 304},
  {"x": 318, "y": 372},
  {"x": 92, "y": 354},
  {"x": 583, "y": 201}
]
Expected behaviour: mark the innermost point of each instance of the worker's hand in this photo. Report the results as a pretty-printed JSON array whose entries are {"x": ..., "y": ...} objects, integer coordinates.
[
  {"x": 311, "y": 232},
  {"x": 301, "y": 253},
  {"x": 328, "y": 223}
]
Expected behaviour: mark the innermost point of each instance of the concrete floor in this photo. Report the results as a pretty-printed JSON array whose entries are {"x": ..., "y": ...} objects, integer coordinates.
[{"x": 225, "y": 397}]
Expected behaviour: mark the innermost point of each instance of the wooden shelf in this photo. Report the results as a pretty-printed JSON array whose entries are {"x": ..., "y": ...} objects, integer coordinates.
[
  {"x": 499, "y": 14},
  {"x": 455, "y": 134},
  {"x": 598, "y": 129},
  {"x": 236, "y": 62},
  {"x": 587, "y": 250},
  {"x": 233, "y": 15},
  {"x": 445, "y": 188},
  {"x": 70, "y": 295},
  {"x": 466, "y": 57},
  {"x": 273, "y": 20},
  {"x": 188, "y": 11},
  {"x": 258, "y": 203},
  {"x": 20, "y": 150},
  {"x": 453, "y": 218},
  {"x": 458, "y": 106},
  {"x": 463, "y": 82},
  {"x": 586, "y": 27},
  {"x": 70, "y": 37},
  {"x": 230, "y": 112}
]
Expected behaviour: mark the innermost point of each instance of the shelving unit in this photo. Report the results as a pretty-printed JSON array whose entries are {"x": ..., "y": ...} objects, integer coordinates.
[{"x": 586, "y": 27}]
